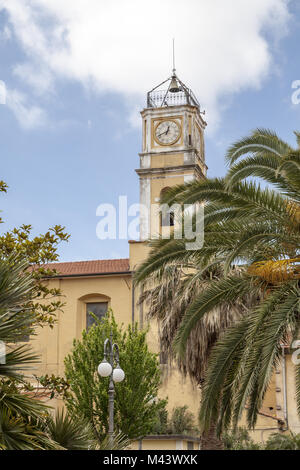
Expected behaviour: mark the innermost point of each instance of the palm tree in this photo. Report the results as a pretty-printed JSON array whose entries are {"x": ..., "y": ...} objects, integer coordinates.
[
  {"x": 169, "y": 294},
  {"x": 120, "y": 442},
  {"x": 16, "y": 408},
  {"x": 256, "y": 228},
  {"x": 70, "y": 432}
]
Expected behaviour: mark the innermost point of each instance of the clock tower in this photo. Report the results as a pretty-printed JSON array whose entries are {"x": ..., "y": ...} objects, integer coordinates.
[{"x": 172, "y": 147}]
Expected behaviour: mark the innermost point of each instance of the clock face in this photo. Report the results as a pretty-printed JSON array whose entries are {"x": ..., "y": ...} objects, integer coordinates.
[{"x": 167, "y": 132}]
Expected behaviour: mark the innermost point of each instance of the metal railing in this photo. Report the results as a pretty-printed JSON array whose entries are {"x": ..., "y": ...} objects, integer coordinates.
[{"x": 161, "y": 98}]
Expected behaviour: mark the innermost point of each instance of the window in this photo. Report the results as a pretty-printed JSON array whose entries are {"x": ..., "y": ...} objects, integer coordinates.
[
  {"x": 98, "y": 309},
  {"x": 167, "y": 218},
  {"x": 167, "y": 215}
]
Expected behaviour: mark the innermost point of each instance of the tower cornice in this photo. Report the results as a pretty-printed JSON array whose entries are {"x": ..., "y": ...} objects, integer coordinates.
[
  {"x": 170, "y": 169},
  {"x": 173, "y": 110}
]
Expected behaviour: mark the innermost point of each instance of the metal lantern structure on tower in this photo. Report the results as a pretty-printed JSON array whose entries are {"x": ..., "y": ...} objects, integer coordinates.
[{"x": 171, "y": 92}]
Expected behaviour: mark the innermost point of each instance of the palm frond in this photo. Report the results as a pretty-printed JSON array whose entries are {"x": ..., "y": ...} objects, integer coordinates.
[
  {"x": 276, "y": 271},
  {"x": 71, "y": 433},
  {"x": 120, "y": 442},
  {"x": 13, "y": 435},
  {"x": 217, "y": 293},
  {"x": 17, "y": 361},
  {"x": 259, "y": 140},
  {"x": 221, "y": 362}
]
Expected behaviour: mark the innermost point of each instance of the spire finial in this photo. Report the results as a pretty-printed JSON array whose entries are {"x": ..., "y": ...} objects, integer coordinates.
[
  {"x": 174, "y": 69},
  {"x": 174, "y": 87}
]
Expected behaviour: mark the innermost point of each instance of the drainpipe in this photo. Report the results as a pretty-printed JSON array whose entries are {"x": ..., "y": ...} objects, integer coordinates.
[
  {"x": 132, "y": 299},
  {"x": 285, "y": 410}
]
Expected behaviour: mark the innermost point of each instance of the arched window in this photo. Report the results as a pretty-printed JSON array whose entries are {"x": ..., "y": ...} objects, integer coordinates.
[
  {"x": 95, "y": 310},
  {"x": 93, "y": 305}
]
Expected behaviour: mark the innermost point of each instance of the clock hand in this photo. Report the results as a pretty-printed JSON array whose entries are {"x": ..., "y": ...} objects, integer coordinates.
[{"x": 165, "y": 132}]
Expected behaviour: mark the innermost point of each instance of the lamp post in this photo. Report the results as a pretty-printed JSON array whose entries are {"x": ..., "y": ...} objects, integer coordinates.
[{"x": 106, "y": 369}]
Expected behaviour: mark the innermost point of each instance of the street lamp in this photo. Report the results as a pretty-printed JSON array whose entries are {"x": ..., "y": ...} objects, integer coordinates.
[{"x": 106, "y": 369}]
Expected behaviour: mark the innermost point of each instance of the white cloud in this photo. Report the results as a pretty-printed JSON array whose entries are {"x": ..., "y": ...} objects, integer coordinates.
[
  {"x": 40, "y": 79},
  {"x": 5, "y": 34},
  {"x": 124, "y": 46},
  {"x": 28, "y": 116},
  {"x": 2, "y": 92}
]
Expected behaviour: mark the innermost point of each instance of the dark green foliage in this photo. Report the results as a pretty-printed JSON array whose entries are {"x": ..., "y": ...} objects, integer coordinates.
[
  {"x": 17, "y": 433},
  {"x": 136, "y": 403},
  {"x": 120, "y": 442},
  {"x": 70, "y": 432},
  {"x": 160, "y": 425},
  {"x": 57, "y": 386},
  {"x": 239, "y": 440},
  {"x": 181, "y": 421},
  {"x": 278, "y": 441}
]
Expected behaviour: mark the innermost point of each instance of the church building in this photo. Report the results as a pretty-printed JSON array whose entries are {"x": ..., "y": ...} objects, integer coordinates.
[{"x": 173, "y": 152}]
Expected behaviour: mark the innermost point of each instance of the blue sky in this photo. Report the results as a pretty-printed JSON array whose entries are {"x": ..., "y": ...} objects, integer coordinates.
[{"x": 70, "y": 133}]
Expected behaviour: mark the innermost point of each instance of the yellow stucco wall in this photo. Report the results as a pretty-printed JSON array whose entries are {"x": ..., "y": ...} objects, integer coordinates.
[
  {"x": 53, "y": 345},
  {"x": 174, "y": 443},
  {"x": 162, "y": 161},
  {"x": 292, "y": 415}
]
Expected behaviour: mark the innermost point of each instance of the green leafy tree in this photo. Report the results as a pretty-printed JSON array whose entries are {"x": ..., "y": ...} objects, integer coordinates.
[
  {"x": 160, "y": 425},
  {"x": 3, "y": 189},
  {"x": 38, "y": 251},
  {"x": 22, "y": 309},
  {"x": 182, "y": 421},
  {"x": 136, "y": 402}
]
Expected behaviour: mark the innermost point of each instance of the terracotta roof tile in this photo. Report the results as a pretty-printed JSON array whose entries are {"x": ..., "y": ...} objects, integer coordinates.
[{"x": 100, "y": 266}]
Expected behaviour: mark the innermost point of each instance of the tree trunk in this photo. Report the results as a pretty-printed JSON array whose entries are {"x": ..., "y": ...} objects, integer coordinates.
[{"x": 210, "y": 441}]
